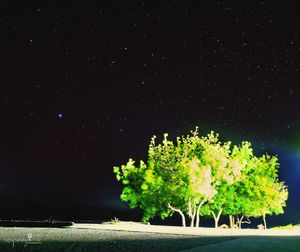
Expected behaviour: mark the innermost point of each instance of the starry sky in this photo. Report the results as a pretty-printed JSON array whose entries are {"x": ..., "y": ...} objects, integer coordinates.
[{"x": 85, "y": 84}]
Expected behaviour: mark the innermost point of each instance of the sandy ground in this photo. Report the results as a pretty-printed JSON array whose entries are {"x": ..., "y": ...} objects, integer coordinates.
[
  {"x": 128, "y": 226},
  {"x": 246, "y": 239}
]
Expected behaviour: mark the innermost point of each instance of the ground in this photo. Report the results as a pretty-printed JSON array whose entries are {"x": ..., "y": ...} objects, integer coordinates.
[{"x": 139, "y": 237}]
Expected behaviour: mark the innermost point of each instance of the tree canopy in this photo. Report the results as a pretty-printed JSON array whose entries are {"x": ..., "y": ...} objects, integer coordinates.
[{"x": 196, "y": 176}]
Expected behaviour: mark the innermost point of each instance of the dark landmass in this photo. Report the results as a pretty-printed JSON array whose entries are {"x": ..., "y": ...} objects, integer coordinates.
[{"x": 29, "y": 223}]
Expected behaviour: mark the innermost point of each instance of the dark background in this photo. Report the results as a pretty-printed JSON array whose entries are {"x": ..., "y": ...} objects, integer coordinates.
[{"x": 85, "y": 84}]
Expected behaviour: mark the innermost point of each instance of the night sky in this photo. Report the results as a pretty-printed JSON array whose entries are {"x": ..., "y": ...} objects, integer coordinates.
[{"x": 85, "y": 84}]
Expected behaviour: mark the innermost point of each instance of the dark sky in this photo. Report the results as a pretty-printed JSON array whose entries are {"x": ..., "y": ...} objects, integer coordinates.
[{"x": 85, "y": 84}]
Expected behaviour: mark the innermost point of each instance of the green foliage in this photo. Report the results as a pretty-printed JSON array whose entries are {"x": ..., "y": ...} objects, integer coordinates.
[
  {"x": 289, "y": 226},
  {"x": 201, "y": 175}
]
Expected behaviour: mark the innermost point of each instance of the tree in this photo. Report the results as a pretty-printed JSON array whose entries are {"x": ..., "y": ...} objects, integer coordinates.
[
  {"x": 165, "y": 159},
  {"x": 200, "y": 188},
  {"x": 158, "y": 188},
  {"x": 227, "y": 175},
  {"x": 189, "y": 183},
  {"x": 241, "y": 160},
  {"x": 266, "y": 195},
  {"x": 174, "y": 180},
  {"x": 258, "y": 192},
  {"x": 195, "y": 176}
]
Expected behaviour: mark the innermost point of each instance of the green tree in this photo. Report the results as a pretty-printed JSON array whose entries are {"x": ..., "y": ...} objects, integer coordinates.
[
  {"x": 160, "y": 187},
  {"x": 227, "y": 175},
  {"x": 264, "y": 193},
  {"x": 164, "y": 159},
  {"x": 172, "y": 181},
  {"x": 258, "y": 192},
  {"x": 196, "y": 176}
]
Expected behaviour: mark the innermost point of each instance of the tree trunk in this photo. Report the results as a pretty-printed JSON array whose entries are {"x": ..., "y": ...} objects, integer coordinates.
[
  {"x": 217, "y": 218},
  {"x": 239, "y": 222},
  {"x": 265, "y": 222},
  {"x": 193, "y": 218},
  {"x": 198, "y": 213},
  {"x": 191, "y": 213},
  {"x": 182, "y": 219},
  {"x": 180, "y": 212},
  {"x": 190, "y": 208},
  {"x": 231, "y": 221}
]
